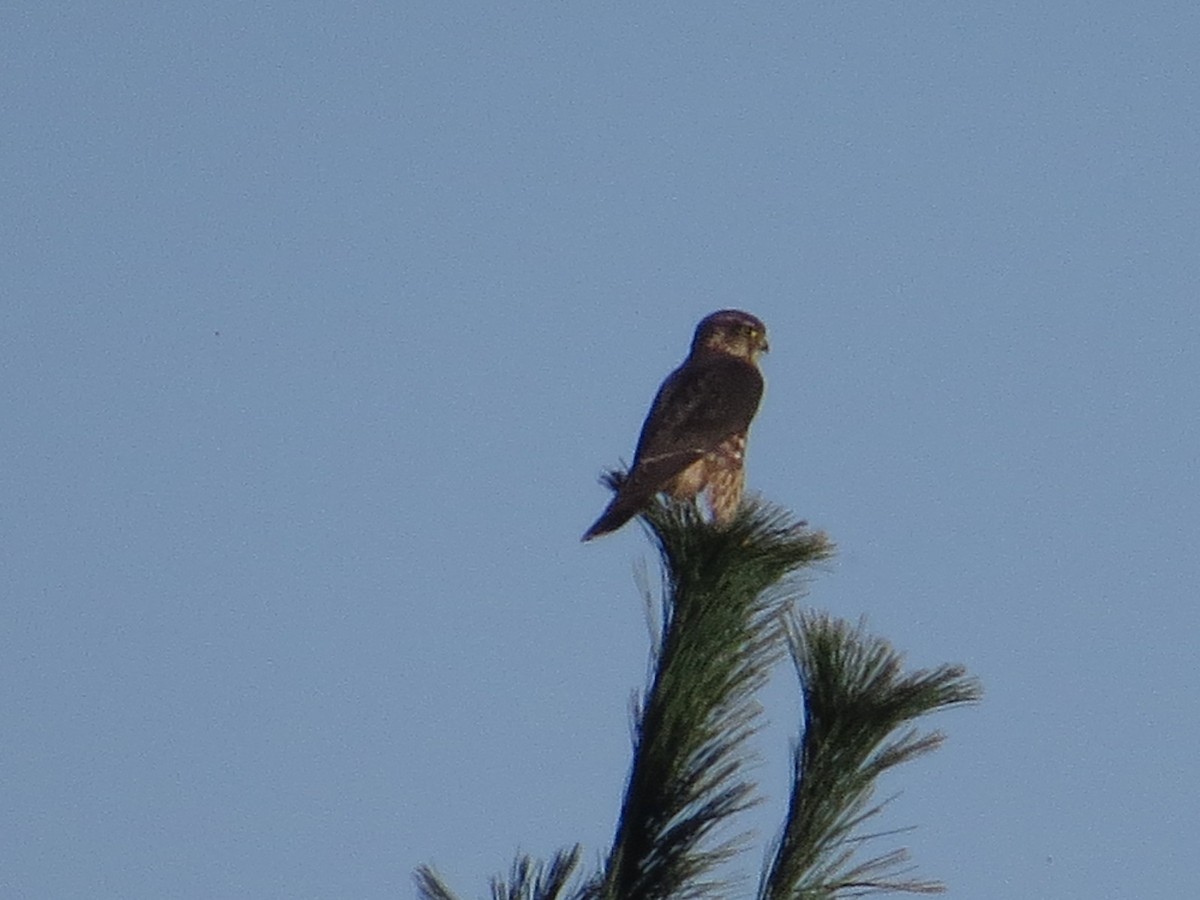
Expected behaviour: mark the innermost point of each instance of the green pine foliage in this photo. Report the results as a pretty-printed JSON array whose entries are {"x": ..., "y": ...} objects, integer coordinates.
[
  {"x": 858, "y": 706},
  {"x": 529, "y": 879},
  {"x": 721, "y": 635},
  {"x": 728, "y": 615}
]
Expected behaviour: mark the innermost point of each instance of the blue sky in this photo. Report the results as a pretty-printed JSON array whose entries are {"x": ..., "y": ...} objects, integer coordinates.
[{"x": 318, "y": 322}]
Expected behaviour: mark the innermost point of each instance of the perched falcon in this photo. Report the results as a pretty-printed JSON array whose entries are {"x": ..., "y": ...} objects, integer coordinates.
[{"x": 694, "y": 438}]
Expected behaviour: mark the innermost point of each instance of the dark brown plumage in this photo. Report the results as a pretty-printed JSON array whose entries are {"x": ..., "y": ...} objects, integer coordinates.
[{"x": 694, "y": 438}]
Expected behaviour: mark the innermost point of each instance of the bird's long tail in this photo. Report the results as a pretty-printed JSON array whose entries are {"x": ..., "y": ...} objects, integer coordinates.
[{"x": 622, "y": 508}]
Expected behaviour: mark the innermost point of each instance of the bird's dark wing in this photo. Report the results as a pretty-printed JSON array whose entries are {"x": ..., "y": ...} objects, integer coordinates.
[{"x": 698, "y": 406}]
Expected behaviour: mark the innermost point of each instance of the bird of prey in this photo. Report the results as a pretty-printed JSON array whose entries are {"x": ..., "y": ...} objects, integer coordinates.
[{"x": 694, "y": 438}]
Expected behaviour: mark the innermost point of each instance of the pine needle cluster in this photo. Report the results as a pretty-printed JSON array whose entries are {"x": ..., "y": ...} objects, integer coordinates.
[
  {"x": 856, "y": 698},
  {"x": 728, "y": 616}
]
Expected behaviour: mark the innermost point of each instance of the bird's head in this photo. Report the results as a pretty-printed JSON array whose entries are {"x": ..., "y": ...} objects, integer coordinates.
[{"x": 732, "y": 332}]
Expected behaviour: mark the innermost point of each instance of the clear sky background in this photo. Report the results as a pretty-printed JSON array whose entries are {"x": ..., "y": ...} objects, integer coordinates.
[{"x": 319, "y": 321}]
